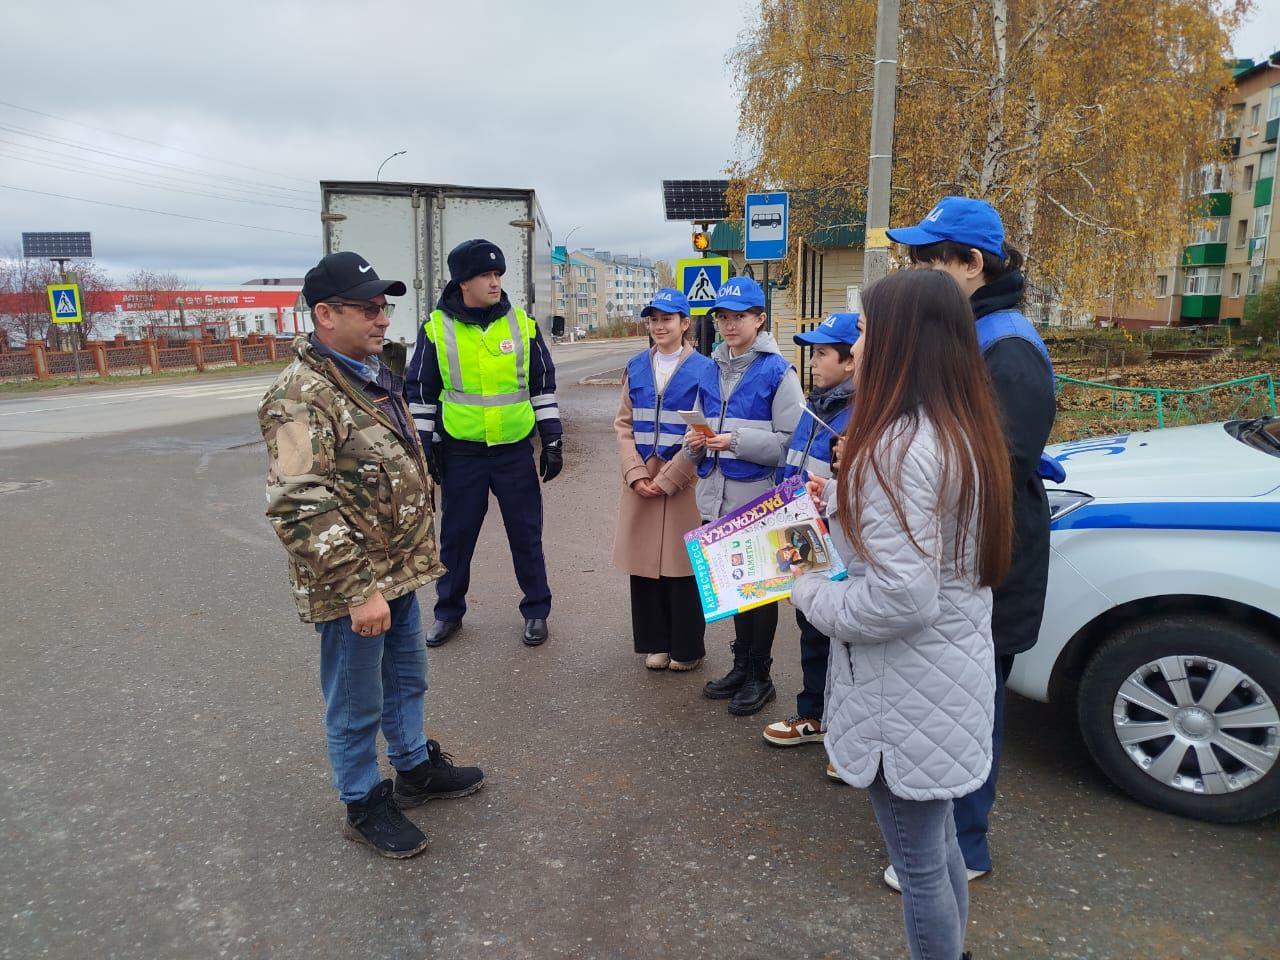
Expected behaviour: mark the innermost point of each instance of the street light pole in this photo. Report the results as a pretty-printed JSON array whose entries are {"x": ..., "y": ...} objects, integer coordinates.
[{"x": 378, "y": 176}]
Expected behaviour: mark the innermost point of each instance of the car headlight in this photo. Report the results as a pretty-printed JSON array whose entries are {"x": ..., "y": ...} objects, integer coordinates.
[{"x": 1062, "y": 502}]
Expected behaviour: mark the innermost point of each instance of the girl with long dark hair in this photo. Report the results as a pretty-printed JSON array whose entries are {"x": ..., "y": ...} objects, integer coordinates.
[
  {"x": 964, "y": 237},
  {"x": 923, "y": 495}
]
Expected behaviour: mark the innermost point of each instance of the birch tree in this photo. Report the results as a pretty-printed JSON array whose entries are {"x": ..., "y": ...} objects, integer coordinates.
[{"x": 1081, "y": 121}]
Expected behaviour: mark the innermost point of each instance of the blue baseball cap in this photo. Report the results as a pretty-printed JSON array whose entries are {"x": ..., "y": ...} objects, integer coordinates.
[
  {"x": 837, "y": 328},
  {"x": 973, "y": 223},
  {"x": 668, "y": 301},
  {"x": 738, "y": 293}
]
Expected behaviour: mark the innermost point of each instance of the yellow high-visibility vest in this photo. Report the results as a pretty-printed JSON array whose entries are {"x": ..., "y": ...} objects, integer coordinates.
[{"x": 486, "y": 376}]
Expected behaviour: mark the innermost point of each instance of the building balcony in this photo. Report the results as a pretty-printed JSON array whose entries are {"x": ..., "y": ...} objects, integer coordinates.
[
  {"x": 1273, "y": 127},
  {"x": 1218, "y": 204},
  {"x": 1204, "y": 254},
  {"x": 1262, "y": 192},
  {"x": 1200, "y": 307}
]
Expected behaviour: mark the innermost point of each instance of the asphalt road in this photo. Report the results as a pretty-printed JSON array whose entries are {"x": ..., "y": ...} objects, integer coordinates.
[{"x": 164, "y": 789}]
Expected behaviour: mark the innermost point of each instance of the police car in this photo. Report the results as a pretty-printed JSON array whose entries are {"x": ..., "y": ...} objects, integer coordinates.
[{"x": 1162, "y": 621}]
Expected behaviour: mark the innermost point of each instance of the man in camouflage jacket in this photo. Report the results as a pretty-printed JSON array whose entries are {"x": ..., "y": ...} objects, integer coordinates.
[{"x": 349, "y": 495}]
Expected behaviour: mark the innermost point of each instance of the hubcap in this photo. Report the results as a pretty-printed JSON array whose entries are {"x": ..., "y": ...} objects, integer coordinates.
[{"x": 1197, "y": 724}]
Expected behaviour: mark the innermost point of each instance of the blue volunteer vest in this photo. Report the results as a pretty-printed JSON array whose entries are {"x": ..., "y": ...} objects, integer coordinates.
[
  {"x": 1006, "y": 324},
  {"x": 655, "y": 422},
  {"x": 751, "y": 405},
  {"x": 809, "y": 453}
]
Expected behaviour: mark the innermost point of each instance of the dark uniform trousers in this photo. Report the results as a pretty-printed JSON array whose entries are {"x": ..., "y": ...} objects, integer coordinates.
[{"x": 511, "y": 475}]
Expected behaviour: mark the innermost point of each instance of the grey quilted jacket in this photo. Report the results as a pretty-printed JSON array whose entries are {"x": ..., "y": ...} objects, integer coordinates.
[{"x": 911, "y": 679}]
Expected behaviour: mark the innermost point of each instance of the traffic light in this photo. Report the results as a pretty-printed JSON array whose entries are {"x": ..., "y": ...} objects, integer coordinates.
[{"x": 700, "y": 240}]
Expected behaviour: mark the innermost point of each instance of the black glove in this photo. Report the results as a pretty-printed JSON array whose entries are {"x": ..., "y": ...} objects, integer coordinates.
[
  {"x": 552, "y": 460},
  {"x": 435, "y": 461}
]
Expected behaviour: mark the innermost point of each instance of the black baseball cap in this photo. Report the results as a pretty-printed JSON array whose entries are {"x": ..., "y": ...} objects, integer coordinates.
[{"x": 346, "y": 274}]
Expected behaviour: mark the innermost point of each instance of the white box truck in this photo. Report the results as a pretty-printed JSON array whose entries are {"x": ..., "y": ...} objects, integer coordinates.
[{"x": 406, "y": 231}]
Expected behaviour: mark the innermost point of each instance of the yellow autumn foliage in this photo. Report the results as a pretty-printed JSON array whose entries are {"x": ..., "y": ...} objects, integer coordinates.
[{"x": 1082, "y": 121}]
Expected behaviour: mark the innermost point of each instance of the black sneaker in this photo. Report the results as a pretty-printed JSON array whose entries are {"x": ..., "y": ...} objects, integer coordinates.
[
  {"x": 436, "y": 778},
  {"x": 377, "y": 822}
]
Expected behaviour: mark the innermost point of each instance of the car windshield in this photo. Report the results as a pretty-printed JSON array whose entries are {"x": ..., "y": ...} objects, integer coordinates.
[{"x": 1261, "y": 433}]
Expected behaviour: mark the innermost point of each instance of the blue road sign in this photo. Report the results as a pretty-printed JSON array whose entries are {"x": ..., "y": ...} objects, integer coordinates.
[
  {"x": 64, "y": 303},
  {"x": 700, "y": 279},
  {"x": 766, "y": 221}
]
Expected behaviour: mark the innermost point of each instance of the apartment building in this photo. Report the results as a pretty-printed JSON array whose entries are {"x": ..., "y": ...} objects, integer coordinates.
[
  {"x": 577, "y": 296},
  {"x": 1232, "y": 254},
  {"x": 626, "y": 283}
]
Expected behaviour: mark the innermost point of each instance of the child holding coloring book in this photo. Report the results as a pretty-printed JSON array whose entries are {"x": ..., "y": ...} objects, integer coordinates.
[
  {"x": 809, "y": 455},
  {"x": 657, "y": 503},
  {"x": 760, "y": 401}
]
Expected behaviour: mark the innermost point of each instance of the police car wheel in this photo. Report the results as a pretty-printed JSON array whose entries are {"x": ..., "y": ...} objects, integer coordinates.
[{"x": 1183, "y": 714}]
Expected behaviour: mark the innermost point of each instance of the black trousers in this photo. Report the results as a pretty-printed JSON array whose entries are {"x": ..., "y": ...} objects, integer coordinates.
[
  {"x": 666, "y": 617},
  {"x": 464, "y": 491},
  {"x": 815, "y": 650},
  {"x": 753, "y": 631}
]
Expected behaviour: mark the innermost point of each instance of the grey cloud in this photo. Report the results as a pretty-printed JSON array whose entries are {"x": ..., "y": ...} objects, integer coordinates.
[{"x": 591, "y": 104}]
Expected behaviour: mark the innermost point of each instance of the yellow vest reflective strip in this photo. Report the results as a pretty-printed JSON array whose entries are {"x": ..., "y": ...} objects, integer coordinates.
[
  {"x": 492, "y": 418},
  {"x": 450, "y": 336}
]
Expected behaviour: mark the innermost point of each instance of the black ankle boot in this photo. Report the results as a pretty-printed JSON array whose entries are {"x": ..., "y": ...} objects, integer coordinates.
[
  {"x": 757, "y": 691},
  {"x": 378, "y": 822},
  {"x": 731, "y": 682}
]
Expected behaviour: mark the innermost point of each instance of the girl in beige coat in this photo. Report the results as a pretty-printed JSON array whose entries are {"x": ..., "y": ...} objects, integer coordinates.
[{"x": 657, "y": 506}]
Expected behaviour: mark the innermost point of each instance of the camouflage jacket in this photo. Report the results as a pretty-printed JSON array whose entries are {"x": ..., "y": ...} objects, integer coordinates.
[{"x": 349, "y": 499}]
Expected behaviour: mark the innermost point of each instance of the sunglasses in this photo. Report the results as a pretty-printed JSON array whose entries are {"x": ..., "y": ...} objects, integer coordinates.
[{"x": 370, "y": 310}]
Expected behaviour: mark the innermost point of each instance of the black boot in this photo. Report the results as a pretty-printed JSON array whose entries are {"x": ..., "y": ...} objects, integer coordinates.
[
  {"x": 731, "y": 682},
  {"x": 435, "y": 778},
  {"x": 378, "y": 822},
  {"x": 757, "y": 691}
]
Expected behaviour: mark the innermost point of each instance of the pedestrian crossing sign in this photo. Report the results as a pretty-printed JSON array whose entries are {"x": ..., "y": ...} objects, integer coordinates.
[
  {"x": 700, "y": 279},
  {"x": 65, "y": 305}
]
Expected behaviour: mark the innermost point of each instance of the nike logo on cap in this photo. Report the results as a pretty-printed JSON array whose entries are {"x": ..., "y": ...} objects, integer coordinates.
[{"x": 365, "y": 269}]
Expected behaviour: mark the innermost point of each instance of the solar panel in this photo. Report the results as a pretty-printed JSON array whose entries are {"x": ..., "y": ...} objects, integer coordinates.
[
  {"x": 57, "y": 245},
  {"x": 701, "y": 201}
]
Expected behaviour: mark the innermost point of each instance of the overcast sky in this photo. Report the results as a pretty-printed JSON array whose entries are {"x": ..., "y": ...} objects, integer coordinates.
[{"x": 590, "y": 103}]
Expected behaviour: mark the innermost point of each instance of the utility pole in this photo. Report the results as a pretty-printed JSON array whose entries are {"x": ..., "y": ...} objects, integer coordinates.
[{"x": 875, "y": 263}]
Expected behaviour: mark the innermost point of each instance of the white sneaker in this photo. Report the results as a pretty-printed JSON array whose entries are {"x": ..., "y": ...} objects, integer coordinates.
[
  {"x": 657, "y": 661},
  {"x": 891, "y": 877},
  {"x": 794, "y": 731}
]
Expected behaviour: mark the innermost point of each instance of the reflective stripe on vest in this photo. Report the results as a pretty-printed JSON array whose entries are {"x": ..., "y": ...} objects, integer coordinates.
[
  {"x": 810, "y": 449},
  {"x": 686, "y": 389},
  {"x": 486, "y": 393},
  {"x": 750, "y": 404}
]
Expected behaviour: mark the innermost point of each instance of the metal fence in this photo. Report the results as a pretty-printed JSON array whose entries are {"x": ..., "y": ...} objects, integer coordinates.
[{"x": 1166, "y": 406}]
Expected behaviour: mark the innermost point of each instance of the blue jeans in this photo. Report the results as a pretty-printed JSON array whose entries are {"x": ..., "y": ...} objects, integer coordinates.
[
  {"x": 373, "y": 683},
  {"x": 973, "y": 812},
  {"x": 921, "y": 837}
]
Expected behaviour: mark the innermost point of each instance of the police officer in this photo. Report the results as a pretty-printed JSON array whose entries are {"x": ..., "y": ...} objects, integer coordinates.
[{"x": 480, "y": 380}]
